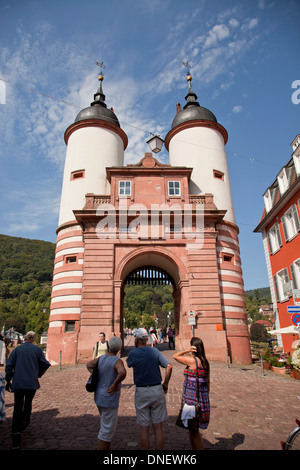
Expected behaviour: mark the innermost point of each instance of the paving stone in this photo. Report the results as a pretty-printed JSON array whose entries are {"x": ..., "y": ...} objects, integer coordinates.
[{"x": 249, "y": 411}]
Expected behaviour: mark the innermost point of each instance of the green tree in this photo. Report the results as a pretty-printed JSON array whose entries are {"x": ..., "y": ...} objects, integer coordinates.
[{"x": 258, "y": 333}]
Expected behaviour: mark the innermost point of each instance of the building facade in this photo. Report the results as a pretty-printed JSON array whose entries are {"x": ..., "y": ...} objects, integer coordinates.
[
  {"x": 280, "y": 228},
  {"x": 175, "y": 221}
]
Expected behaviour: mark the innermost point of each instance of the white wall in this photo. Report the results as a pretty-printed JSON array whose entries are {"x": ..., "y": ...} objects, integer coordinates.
[
  {"x": 91, "y": 149},
  {"x": 204, "y": 150}
]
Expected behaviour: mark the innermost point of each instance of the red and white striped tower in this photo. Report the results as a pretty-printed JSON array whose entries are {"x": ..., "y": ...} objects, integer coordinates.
[
  {"x": 94, "y": 141},
  {"x": 197, "y": 139}
]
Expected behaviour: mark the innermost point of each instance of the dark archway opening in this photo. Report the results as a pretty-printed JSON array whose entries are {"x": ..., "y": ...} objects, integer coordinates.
[{"x": 148, "y": 299}]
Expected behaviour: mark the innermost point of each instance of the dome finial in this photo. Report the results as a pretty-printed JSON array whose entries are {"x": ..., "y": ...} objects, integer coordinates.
[
  {"x": 191, "y": 110},
  {"x": 99, "y": 97}
]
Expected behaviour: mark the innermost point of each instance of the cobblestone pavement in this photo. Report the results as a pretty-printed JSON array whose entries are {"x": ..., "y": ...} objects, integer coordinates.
[{"x": 249, "y": 410}]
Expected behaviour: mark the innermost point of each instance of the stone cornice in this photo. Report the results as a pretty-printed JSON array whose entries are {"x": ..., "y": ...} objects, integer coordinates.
[
  {"x": 195, "y": 123},
  {"x": 96, "y": 123}
]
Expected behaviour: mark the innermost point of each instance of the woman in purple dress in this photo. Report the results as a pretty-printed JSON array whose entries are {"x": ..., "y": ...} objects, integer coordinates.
[{"x": 197, "y": 369}]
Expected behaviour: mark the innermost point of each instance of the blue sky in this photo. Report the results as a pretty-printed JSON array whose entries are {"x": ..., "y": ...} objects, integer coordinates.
[{"x": 244, "y": 57}]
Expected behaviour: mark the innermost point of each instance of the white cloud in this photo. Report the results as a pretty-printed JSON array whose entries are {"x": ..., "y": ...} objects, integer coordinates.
[
  {"x": 237, "y": 109},
  {"x": 216, "y": 34},
  {"x": 233, "y": 23},
  {"x": 250, "y": 24}
]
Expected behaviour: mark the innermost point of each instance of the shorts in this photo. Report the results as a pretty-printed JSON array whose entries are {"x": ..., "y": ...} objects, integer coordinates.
[
  {"x": 150, "y": 405},
  {"x": 108, "y": 424}
]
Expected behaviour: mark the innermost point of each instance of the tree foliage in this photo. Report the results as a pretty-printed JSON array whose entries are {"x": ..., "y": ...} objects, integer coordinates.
[
  {"x": 26, "y": 269},
  {"x": 254, "y": 299},
  {"x": 258, "y": 333},
  {"x": 145, "y": 303}
]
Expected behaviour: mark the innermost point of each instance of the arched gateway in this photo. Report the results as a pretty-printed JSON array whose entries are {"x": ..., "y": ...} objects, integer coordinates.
[
  {"x": 116, "y": 219},
  {"x": 153, "y": 266}
]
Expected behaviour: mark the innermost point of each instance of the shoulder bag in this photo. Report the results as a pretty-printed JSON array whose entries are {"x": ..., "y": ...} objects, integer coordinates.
[{"x": 91, "y": 384}]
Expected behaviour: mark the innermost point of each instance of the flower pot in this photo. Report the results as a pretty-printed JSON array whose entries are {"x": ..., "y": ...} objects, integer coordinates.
[
  {"x": 295, "y": 374},
  {"x": 266, "y": 365},
  {"x": 278, "y": 370}
]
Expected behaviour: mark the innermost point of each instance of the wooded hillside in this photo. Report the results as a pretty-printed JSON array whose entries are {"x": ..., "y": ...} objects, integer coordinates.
[{"x": 26, "y": 269}]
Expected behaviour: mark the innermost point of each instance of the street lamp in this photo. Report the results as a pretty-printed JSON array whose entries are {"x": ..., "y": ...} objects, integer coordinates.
[{"x": 155, "y": 143}]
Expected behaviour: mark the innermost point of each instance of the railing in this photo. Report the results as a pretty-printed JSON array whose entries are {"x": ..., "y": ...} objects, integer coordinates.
[
  {"x": 92, "y": 201},
  {"x": 200, "y": 199}
]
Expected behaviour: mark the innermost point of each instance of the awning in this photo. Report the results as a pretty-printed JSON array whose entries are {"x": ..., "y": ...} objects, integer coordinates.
[{"x": 289, "y": 330}]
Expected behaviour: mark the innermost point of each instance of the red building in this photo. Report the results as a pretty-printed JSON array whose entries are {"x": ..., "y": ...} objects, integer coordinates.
[{"x": 280, "y": 226}]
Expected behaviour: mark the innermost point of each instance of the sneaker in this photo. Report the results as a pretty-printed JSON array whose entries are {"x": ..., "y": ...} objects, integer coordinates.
[{"x": 16, "y": 440}]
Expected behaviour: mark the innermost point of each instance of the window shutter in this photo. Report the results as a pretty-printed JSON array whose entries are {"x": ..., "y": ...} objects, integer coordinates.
[
  {"x": 277, "y": 230},
  {"x": 296, "y": 217},
  {"x": 270, "y": 243},
  {"x": 284, "y": 228},
  {"x": 292, "y": 267},
  {"x": 276, "y": 287}
]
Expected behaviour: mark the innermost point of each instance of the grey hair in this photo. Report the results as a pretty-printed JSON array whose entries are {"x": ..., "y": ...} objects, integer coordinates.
[
  {"x": 114, "y": 344},
  {"x": 30, "y": 335}
]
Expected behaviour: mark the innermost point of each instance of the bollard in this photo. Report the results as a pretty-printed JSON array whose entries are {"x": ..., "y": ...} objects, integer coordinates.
[
  {"x": 261, "y": 365},
  {"x": 59, "y": 360}
]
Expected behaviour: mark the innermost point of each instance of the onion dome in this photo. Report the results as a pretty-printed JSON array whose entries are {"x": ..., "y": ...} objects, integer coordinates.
[
  {"x": 192, "y": 110},
  {"x": 98, "y": 108}
]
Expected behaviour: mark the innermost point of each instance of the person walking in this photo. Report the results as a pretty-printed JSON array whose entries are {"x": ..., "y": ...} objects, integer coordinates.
[
  {"x": 2, "y": 399},
  {"x": 171, "y": 338},
  {"x": 101, "y": 347},
  {"x": 111, "y": 372},
  {"x": 24, "y": 366},
  {"x": 2, "y": 350},
  {"x": 150, "y": 400},
  {"x": 197, "y": 369},
  {"x": 153, "y": 337}
]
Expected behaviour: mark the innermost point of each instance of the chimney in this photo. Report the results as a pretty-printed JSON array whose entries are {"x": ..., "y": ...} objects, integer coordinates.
[{"x": 178, "y": 108}]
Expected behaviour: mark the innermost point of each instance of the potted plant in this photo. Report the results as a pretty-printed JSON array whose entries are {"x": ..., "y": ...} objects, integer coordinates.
[
  {"x": 277, "y": 366},
  {"x": 266, "y": 355},
  {"x": 295, "y": 363}
]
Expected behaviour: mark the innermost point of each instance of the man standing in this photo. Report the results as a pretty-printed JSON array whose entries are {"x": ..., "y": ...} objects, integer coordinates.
[
  {"x": 25, "y": 364},
  {"x": 150, "y": 401}
]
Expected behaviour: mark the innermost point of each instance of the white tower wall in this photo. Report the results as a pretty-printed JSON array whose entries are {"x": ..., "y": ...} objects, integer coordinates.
[
  {"x": 90, "y": 149},
  {"x": 203, "y": 149}
]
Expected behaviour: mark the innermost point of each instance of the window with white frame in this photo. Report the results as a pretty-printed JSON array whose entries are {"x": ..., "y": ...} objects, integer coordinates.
[
  {"x": 268, "y": 200},
  {"x": 295, "y": 272},
  {"x": 124, "y": 188},
  {"x": 282, "y": 181},
  {"x": 174, "y": 188},
  {"x": 290, "y": 223},
  {"x": 282, "y": 285},
  {"x": 274, "y": 238}
]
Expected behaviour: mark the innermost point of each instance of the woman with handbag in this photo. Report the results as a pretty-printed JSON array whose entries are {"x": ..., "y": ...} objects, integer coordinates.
[{"x": 195, "y": 397}]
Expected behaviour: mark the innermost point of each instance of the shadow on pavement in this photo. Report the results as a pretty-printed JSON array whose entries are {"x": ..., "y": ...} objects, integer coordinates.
[{"x": 49, "y": 430}]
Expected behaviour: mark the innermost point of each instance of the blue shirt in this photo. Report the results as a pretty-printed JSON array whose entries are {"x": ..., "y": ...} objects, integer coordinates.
[
  {"x": 25, "y": 364},
  {"x": 146, "y": 363},
  {"x": 106, "y": 376}
]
